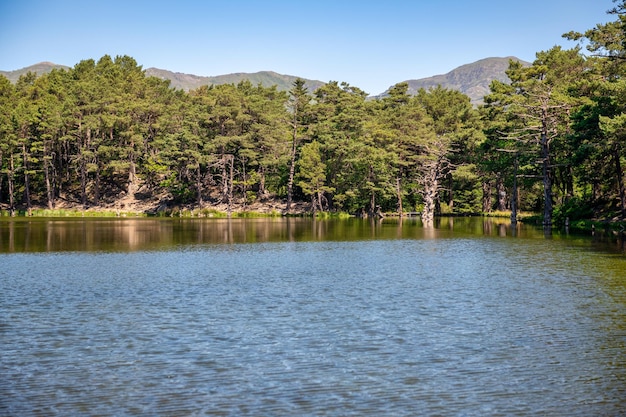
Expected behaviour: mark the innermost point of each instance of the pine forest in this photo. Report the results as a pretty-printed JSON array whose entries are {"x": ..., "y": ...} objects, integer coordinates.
[{"x": 552, "y": 141}]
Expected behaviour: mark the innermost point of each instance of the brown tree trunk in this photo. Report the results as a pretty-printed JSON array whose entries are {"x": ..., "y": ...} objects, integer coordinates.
[
  {"x": 83, "y": 169},
  {"x": 46, "y": 171},
  {"x": 501, "y": 190},
  {"x": 132, "y": 176},
  {"x": 399, "y": 193},
  {"x": 620, "y": 181},
  {"x": 451, "y": 194},
  {"x": 486, "y": 197},
  {"x": 26, "y": 180},
  {"x": 514, "y": 195},
  {"x": 231, "y": 160},
  {"x": 11, "y": 183},
  {"x": 262, "y": 190},
  {"x": 199, "y": 199}
]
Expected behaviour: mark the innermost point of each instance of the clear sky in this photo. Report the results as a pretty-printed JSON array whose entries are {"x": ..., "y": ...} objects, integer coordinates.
[{"x": 371, "y": 44}]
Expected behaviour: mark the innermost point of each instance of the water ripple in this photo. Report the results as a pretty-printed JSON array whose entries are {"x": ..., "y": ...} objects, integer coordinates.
[{"x": 466, "y": 327}]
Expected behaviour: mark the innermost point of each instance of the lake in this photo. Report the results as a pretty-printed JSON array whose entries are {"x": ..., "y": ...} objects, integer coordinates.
[{"x": 297, "y": 317}]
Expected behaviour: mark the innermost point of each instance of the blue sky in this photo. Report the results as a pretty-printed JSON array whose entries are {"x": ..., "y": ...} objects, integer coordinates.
[{"x": 369, "y": 44}]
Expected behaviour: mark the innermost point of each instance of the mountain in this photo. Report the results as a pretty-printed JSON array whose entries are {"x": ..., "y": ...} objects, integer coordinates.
[
  {"x": 187, "y": 81},
  {"x": 39, "y": 69},
  {"x": 471, "y": 79},
  {"x": 266, "y": 78}
]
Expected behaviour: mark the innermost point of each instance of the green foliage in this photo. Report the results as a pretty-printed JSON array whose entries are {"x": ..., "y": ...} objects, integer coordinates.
[
  {"x": 572, "y": 210},
  {"x": 104, "y": 130}
]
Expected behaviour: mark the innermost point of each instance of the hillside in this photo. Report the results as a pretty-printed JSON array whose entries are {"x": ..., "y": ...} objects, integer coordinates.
[
  {"x": 187, "y": 81},
  {"x": 39, "y": 69},
  {"x": 266, "y": 78},
  {"x": 471, "y": 79}
]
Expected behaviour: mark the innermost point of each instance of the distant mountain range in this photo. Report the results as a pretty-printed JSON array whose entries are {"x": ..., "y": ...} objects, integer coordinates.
[
  {"x": 472, "y": 79},
  {"x": 266, "y": 78}
]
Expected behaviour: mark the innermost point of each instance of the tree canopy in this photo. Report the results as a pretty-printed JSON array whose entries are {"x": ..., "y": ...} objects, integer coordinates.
[{"x": 552, "y": 140}]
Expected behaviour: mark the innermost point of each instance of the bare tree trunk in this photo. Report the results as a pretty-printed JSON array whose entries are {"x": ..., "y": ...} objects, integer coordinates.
[
  {"x": 547, "y": 177},
  {"x": 224, "y": 176},
  {"x": 292, "y": 169},
  {"x": 431, "y": 185}
]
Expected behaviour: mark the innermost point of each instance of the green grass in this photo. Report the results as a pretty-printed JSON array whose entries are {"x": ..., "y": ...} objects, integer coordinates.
[
  {"x": 211, "y": 213},
  {"x": 70, "y": 213},
  {"x": 521, "y": 215},
  {"x": 332, "y": 215}
]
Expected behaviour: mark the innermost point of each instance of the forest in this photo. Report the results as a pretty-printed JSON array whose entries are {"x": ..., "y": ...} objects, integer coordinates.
[{"x": 551, "y": 141}]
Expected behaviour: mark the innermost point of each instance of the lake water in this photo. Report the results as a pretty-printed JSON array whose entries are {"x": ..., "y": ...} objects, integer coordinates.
[{"x": 295, "y": 317}]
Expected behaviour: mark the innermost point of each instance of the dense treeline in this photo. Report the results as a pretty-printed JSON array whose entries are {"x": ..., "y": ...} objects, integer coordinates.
[{"x": 551, "y": 140}]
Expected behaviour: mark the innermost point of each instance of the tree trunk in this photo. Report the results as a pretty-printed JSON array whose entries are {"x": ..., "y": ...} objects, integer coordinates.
[
  {"x": 314, "y": 199},
  {"x": 26, "y": 180},
  {"x": 224, "y": 176},
  {"x": 46, "y": 171},
  {"x": 501, "y": 190},
  {"x": 0, "y": 177},
  {"x": 262, "y": 190},
  {"x": 231, "y": 160},
  {"x": 486, "y": 197},
  {"x": 292, "y": 170},
  {"x": 620, "y": 180},
  {"x": 430, "y": 196},
  {"x": 199, "y": 199},
  {"x": 83, "y": 181},
  {"x": 49, "y": 190},
  {"x": 399, "y": 193},
  {"x": 451, "y": 194},
  {"x": 96, "y": 191},
  {"x": 547, "y": 178},
  {"x": 83, "y": 169},
  {"x": 514, "y": 195},
  {"x": 11, "y": 183},
  {"x": 132, "y": 176}
]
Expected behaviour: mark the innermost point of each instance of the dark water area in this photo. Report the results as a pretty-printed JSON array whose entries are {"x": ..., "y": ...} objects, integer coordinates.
[{"x": 272, "y": 317}]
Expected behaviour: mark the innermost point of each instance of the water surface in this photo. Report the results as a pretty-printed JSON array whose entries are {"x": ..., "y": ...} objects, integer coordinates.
[{"x": 296, "y": 317}]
